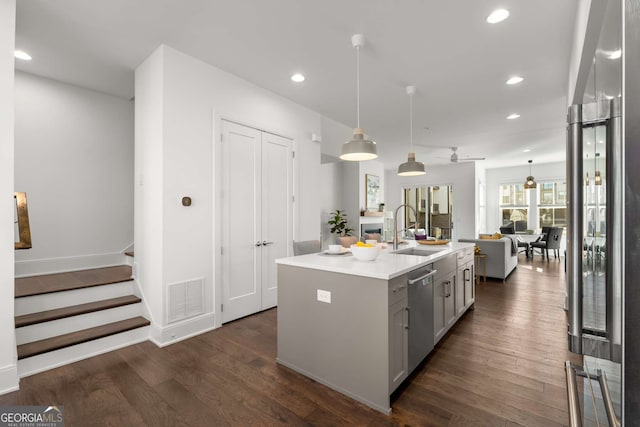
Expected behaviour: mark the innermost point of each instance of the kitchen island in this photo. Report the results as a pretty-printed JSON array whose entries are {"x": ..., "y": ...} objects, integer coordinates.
[{"x": 361, "y": 327}]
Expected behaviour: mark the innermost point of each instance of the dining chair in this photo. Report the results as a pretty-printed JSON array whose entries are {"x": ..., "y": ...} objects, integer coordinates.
[
  {"x": 521, "y": 226},
  {"x": 507, "y": 229},
  {"x": 548, "y": 241}
]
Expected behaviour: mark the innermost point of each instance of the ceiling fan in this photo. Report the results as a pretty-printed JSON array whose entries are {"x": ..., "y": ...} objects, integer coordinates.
[{"x": 455, "y": 159}]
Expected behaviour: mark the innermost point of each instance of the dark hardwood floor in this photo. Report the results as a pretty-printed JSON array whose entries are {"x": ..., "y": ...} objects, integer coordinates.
[{"x": 501, "y": 365}]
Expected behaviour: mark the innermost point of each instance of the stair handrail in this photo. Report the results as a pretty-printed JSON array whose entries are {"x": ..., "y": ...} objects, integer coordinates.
[{"x": 22, "y": 213}]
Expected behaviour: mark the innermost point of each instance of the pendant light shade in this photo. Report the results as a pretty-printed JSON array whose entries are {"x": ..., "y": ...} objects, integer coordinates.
[
  {"x": 358, "y": 148},
  {"x": 411, "y": 167},
  {"x": 530, "y": 183}
]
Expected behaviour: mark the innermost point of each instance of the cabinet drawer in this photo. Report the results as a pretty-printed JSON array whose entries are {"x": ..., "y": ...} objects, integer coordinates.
[
  {"x": 445, "y": 265},
  {"x": 397, "y": 289},
  {"x": 465, "y": 260},
  {"x": 464, "y": 256}
]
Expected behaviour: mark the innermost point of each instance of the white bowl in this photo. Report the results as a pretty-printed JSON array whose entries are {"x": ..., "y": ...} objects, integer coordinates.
[{"x": 364, "y": 253}]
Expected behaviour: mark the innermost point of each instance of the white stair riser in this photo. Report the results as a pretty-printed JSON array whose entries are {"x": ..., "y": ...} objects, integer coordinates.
[
  {"x": 54, "y": 328},
  {"x": 37, "y": 303},
  {"x": 54, "y": 359}
]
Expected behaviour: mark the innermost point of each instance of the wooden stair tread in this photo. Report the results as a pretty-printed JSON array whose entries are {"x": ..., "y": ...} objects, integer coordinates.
[
  {"x": 79, "y": 337},
  {"x": 74, "y": 310},
  {"x": 47, "y": 283}
]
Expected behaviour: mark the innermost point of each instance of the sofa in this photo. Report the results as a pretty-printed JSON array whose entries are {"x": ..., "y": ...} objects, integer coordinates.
[{"x": 502, "y": 257}]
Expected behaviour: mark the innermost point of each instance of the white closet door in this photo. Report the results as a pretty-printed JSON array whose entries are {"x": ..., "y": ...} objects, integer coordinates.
[
  {"x": 241, "y": 257},
  {"x": 257, "y": 217},
  {"x": 277, "y": 165}
]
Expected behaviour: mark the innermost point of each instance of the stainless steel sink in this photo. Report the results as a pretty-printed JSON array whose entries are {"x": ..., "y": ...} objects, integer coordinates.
[{"x": 418, "y": 252}]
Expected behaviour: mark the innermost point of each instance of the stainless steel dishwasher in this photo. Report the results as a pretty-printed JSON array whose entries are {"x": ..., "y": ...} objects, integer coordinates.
[{"x": 420, "y": 299}]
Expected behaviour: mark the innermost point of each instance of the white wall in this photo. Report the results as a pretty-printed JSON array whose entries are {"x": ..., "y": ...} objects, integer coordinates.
[
  {"x": 74, "y": 159},
  {"x": 462, "y": 176},
  {"x": 333, "y": 187},
  {"x": 8, "y": 359},
  {"x": 515, "y": 175},
  {"x": 193, "y": 98},
  {"x": 149, "y": 213}
]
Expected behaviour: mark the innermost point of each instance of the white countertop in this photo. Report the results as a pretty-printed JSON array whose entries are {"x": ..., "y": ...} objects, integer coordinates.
[{"x": 386, "y": 266}]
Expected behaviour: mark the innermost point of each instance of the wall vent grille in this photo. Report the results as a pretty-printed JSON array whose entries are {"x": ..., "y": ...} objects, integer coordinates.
[{"x": 186, "y": 300}]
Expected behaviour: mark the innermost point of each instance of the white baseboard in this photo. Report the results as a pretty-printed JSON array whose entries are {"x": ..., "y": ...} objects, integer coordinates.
[
  {"x": 38, "y": 267},
  {"x": 9, "y": 379},
  {"x": 171, "y": 334}
]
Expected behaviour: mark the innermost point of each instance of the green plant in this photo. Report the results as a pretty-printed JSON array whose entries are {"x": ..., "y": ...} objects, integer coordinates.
[{"x": 338, "y": 223}]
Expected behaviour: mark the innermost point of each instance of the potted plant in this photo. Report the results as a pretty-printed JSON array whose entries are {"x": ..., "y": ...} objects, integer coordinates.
[{"x": 338, "y": 223}]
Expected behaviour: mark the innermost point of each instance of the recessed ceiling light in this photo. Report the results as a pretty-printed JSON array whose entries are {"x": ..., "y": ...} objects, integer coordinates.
[
  {"x": 588, "y": 143},
  {"x": 21, "y": 54},
  {"x": 601, "y": 142},
  {"x": 498, "y": 15},
  {"x": 615, "y": 54},
  {"x": 526, "y": 150},
  {"x": 298, "y": 78},
  {"x": 515, "y": 80},
  {"x": 513, "y": 116}
]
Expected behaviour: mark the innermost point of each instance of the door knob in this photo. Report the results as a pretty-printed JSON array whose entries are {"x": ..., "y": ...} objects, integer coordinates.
[
  {"x": 258, "y": 243},
  {"x": 265, "y": 243}
]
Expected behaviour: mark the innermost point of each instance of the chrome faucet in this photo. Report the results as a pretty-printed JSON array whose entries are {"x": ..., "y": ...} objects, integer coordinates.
[{"x": 395, "y": 224}]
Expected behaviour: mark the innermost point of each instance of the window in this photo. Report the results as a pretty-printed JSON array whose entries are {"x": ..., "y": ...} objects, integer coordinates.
[
  {"x": 552, "y": 208},
  {"x": 513, "y": 204}
]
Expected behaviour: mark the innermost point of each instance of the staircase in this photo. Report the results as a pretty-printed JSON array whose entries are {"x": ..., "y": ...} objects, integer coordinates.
[{"x": 65, "y": 317}]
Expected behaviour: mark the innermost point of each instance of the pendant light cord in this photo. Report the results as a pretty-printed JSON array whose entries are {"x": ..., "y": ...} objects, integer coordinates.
[
  {"x": 358, "y": 84},
  {"x": 411, "y": 122}
]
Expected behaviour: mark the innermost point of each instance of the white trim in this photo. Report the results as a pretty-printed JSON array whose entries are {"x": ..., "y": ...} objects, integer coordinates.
[
  {"x": 164, "y": 336},
  {"x": 9, "y": 379},
  {"x": 217, "y": 218},
  {"x": 63, "y": 264}
]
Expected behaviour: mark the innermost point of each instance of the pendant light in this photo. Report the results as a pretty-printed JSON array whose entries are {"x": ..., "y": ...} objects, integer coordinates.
[
  {"x": 358, "y": 148},
  {"x": 598, "y": 179},
  {"x": 530, "y": 183},
  {"x": 586, "y": 181},
  {"x": 411, "y": 167}
]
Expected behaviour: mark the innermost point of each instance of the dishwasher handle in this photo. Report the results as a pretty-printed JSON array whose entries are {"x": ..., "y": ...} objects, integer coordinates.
[{"x": 416, "y": 280}]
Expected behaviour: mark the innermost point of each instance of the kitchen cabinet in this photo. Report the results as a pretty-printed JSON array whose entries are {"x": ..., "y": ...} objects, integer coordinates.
[
  {"x": 353, "y": 326},
  {"x": 444, "y": 289},
  {"x": 465, "y": 283},
  {"x": 398, "y": 343}
]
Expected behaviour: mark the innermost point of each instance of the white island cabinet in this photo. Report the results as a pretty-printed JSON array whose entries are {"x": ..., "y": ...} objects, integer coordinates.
[{"x": 345, "y": 323}]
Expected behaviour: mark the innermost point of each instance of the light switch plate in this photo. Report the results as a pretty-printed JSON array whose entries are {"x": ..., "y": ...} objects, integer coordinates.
[{"x": 324, "y": 296}]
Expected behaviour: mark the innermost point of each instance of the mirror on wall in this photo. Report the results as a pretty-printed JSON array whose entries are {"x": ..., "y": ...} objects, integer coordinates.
[{"x": 433, "y": 205}]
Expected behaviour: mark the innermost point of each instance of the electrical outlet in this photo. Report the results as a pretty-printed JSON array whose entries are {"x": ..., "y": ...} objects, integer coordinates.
[{"x": 324, "y": 296}]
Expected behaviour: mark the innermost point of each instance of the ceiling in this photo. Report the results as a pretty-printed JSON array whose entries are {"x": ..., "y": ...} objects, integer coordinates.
[{"x": 445, "y": 48}]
